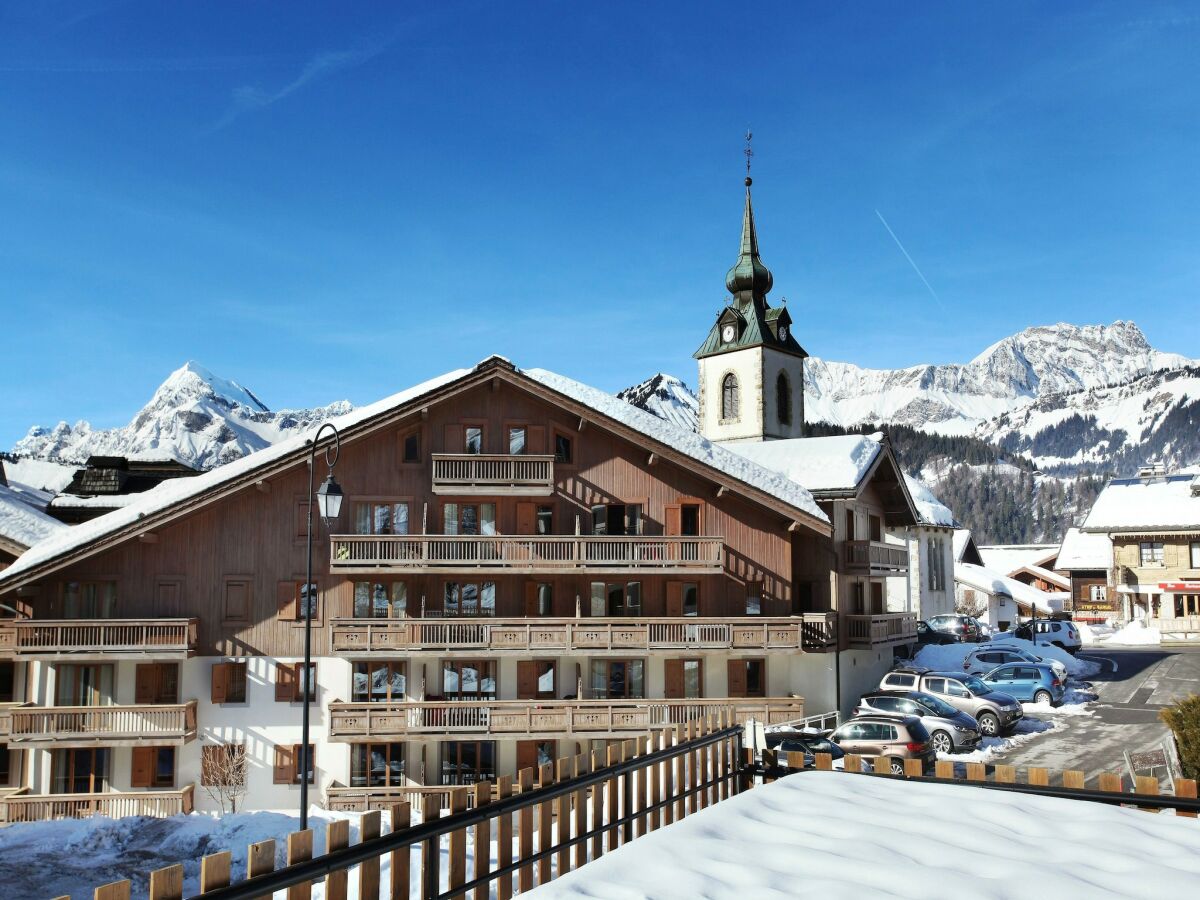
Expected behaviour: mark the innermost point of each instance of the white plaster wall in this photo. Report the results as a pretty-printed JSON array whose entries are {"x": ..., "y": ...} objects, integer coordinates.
[
  {"x": 773, "y": 363},
  {"x": 747, "y": 365}
]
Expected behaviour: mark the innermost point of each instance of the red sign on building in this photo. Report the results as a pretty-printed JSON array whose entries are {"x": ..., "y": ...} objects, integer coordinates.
[{"x": 1180, "y": 586}]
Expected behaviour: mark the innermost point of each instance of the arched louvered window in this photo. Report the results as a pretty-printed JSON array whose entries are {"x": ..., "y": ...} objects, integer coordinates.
[
  {"x": 783, "y": 399},
  {"x": 729, "y": 397}
]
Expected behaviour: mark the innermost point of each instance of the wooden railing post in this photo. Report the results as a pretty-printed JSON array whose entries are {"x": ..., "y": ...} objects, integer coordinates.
[
  {"x": 300, "y": 849},
  {"x": 215, "y": 871},
  {"x": 337, "y": 836},
  {"x": 167, "y": 884},
  {"x": 483, "y": 839},
  {"x": 431, "y": 853},
  {"x": 504, "y": 844},
  {"x": 401, "y": 877},
  {"x": 116, "y": 890},
  {"x": 260, "y": 859},
  {"x": 611, "y": 802},
  {"x": 457, "y": 863},
  {"x": 579, "y": 767},
  {"x": 562, "y": 817},
  {"x": 525, "y": 833}
]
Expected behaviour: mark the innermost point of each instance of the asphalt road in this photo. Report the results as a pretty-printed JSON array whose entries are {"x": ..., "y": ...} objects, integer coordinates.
[{"x": 1133, "y": 687}]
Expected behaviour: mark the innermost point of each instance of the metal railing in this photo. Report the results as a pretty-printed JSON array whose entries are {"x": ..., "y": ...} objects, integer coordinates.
[
  {"x": 878, "y": 630},
  {"x": 488, "y": 473},
  {"x": 874, "y": 558},
  {"x": 77, "y": 637},
  {"x": 104, "y": 725}
]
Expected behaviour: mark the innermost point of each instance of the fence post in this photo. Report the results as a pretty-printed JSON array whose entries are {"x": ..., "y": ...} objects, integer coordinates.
[
  {"x": 545, "y": 824},
  {"x": 823, "y": 762},
  {"x": 597, "y": 763},
  {"x": 1073, "y": 779},
  {"x": 337, "y": 836},
  {"x": 654, "y": 818},
  {"x": 1005, "y": 774},
  {"x": 562, "y": 818},
  {"x": 116, "y": 890},
  {"x": 457, "y": 863},
  {"x": 167, "y": 884},
  {"x": 641, "y": 778},
  {"x": 976, "y": 772},
  {"x": 852, "y": 762},
  {"x": 483, "y": 839},
  {"x": 692, "y": 756},
  {"x": 299, "y": 849},
  {"x": 1185, "y": 788},
  {"x": 260, "y": 859},
  {"x": 525, "y": 833},
  {"x": 1147, "y": 785},
  {"x": 504, "y": 844},
  {"x": 627, "y": 751},
  {"x": 368, "y": 870},
  {"x": 401, "y": 877},
  {"x": 612, "y": 804},
  {"x": 215, "y": 870},
  {"x": 579, "y": 767},
  {"x": 943, "y": 768},
  {"x": 913, "y": 768},
  {"x": 1111, "y": 782},
  {"x": 881, "y": 765},
  {"x": 1037, "y": 777}
]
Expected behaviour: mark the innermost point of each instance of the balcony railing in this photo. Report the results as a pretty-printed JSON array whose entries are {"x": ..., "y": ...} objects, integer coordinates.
[
  {"x": 104, "y": 726},
  {"x": 543, "y": 718},
  {"x": 100, "y": 638},
  {"x": 589, "y": 635},
  {"x": 881, "y": 630},
  {"x": 874, "y": 558},
  {"x": 483, "y": 473},
  {"x": 22, "y": 807},
  {"x": 6, "y": 716},
  {"x": 522, "y": 553},
  {"x": 365, "y": 799}
]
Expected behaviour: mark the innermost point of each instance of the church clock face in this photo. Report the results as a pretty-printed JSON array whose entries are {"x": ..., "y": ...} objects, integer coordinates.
[
  {"x": 727, "y": 333},
  {"x": 783, "y": 332}
]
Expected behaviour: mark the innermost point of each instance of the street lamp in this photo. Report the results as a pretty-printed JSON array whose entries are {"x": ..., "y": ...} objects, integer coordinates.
[{"x": 329, "y": 501}]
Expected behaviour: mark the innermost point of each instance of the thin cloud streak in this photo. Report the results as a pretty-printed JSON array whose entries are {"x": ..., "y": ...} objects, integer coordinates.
[{"x": 911, "y": 261}]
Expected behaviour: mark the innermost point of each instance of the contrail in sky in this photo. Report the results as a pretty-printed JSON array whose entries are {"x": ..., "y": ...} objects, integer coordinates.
[{"x": 911, "y": 261}]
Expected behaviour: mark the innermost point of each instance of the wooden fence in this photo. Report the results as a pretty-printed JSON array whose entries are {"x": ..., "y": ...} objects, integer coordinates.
[{"x": 545, "y": 823}]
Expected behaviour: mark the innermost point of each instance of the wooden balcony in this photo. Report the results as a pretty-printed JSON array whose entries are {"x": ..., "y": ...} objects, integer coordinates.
[
  {"x": 497, "y": 554},
  {"x": 6, "y": 717},
  {"x": 365, "y": 799},
  {"x": 492, "y": 474},
  {"x": 593, "y": 636},
  {"x": 23, "y": 807},
  {"x": 882, "y": 630},
  {"x": 541, "y": 718},
  {"x": 104, "y": 726},
  {"x": 80, "y": 640},
  {"x": 874, "y": 558}
]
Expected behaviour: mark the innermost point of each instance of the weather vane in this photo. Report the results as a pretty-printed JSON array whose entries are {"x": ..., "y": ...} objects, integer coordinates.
[{"x": 749, "y": 151}]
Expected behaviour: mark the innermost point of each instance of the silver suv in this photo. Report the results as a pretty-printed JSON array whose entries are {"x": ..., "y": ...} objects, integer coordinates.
[
  {"x": 995, "y": 712},
  {"x": 950, "y": 731}
]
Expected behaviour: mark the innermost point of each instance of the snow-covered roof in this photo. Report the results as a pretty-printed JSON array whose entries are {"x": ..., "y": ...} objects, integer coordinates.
[
  {"x": 960, "y": 539},
  {"x": 1133, "y": 504},
  {"x": 176, "y": 491},
  {"x": 930, "y": 510},
  {"x": 1010, "y": 558},
  {"x": 1049, "y": 576},
  {"x": 22, "y": 524},
  {"x": 1081, "y": 550},
  {"x": 990, "y": 581},
  {"x": 99, "y": 501},
  {"x": 835, "y": 463}
]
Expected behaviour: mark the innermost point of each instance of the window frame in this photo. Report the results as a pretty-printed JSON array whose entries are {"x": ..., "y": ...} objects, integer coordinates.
[
  {"x": 373, "y": 501},
  {"x": 393, "y": 667},
  {"x": 402, "y": 445},
  {"x": 485, "y": 666},
  {"x": 730, "y": 397},
  {"x": 1157, "y": 553},
  {"x": 365, "y": 751}
]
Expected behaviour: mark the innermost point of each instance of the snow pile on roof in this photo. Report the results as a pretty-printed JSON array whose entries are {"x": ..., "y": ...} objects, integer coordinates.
[
  {"x": 101, "y": 501},
  {"x": 1080, "y": 550},
  {"x": 930, "y": 510},
  {"x": 991, "y": 582},
  {"x": 836, "y": 463},
  {"x": 1049, "y": 576},
  {"x": 960, "y": 539},
  {"x": 23, "y": 524},
  {"x": 1009, "y": 558},
  {"x": 829, "y": 834},
  {"x": 1127, "y": 504},
  {"x": 742, "y": 467},
  {"x": 38, "y": 474}
]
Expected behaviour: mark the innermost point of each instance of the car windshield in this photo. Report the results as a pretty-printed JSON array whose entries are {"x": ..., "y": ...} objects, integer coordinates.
[
  {"x": 976, "y": 686},
  {"x": 823, "y": 745},
  {"x": 937, "y": 707}
]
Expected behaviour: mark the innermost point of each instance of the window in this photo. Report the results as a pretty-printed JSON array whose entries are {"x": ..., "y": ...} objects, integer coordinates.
[
  {"x": 411, "y": 447},
  {"x": 517, "y": 443},
  {"x": 1195, "y": 561},
  {"x": 684, "y": 678},
  {"x": 545, "y": 520},
  {"x": 615, "y": 679},
  {"x": 469, "y": 518},
  {"x": 152, "y": 767},
  {"x": 380, "y": 600},
  {"x": 851, "y": 531},
  {"x": 858, "y": 598},
  {"x": 473, "y": 439},
  {"x": 535, "y": 754},
  {"x": 617, "y": 519},
  {"x": 79, "y": 770},
  {"x": 1097, "y": 593},
  {"x": 539, "y": 599},
  {"x": 563, "y": 451},
  {"x": 930, "y": 565},
  {"x": 469, "y": 599},
  {"x": 1151, "y": 553},
  {"x": 223, "y": 764},
  {"x": 689, "y": 519},
  {"x": 536, "y": 679},
  {"x": 468, "y": 762},
  {"x": 238, "y": 593},
  {"x": 5, "y": 765},
  {"x": 287, "y": 764},
  {"x": 293, "y": 600},
  {"x": 691, "y": 599},
  {"x": 875, "y": 528},
  {"x": 381, "y": 517},
  {"x": 229, "y": 682},
  {"x": 156, "y": 683},
  {"x": 1187, "y": 605},
  {"x": 471, "y": 679},
  {"x": 754, "y": 598},
  {"x": 377, "y": 765},
  {"x": 8, "y": 672},
  {"x": 83, "y": 685},
  {"x": 616, "y": 598},
  {"x": 935, "y": 685},
  {"x": 954, "y": 689},
  {"x": 378, "y": 682},
  {"x": 783, "y": 399},
  {"x": 729, "y": 397},
  {"x": 89, "y": 599},
  {"x": 291, "y": 683},
  {"x": 747, "y": 677}
]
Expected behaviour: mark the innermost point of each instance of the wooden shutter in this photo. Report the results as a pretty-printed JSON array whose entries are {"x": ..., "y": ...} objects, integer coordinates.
[
  {"x": 286, "y": 682},
  {"x": 526, "y": 518},
  {"x": 285, "y": 764},
  {"x": 220, "y": 682},
  {"x": 142, "y": 773},
  {"x": 145, "y": 683},
  {"x": 737, "y": 677},
  {"x": 302, "y": 521},
  {"x": 527, "y": 755},
  {"x": 673, "y": 519},
  {"x": 673, "y": 669},
  {"x": 535, "y": 439},
  {"x": 455, "y": 439},
  {"x": 531, "y": 599},
  {"x": 166, "y": 600},
  {"x": 527, "y": 680},
  {"x": 285, "y": 601},
  {"x": 674, "y": 598}
]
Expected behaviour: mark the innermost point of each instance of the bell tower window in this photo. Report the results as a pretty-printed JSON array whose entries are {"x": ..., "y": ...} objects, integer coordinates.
[
  {"x": 783, "y": 399},
  {"x": 729, "y": 397}
]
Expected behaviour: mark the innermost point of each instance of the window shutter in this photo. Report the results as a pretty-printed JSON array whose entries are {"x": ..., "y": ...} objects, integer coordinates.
[
  {"x": 302, "y": 521},
  {"x": 455, "y": 439},
  {"x": 673, "y": 519},
  {"x": 527, "y": 681},
  {"x": 526, "y": 518},
  {"x": 285, "y": 682},
  {"x": 209, "y": 764},
  {"x": 737, "y": 677},
  {"x": 673, "y": 669},
  {"x": 220, "y": 682},
  {"x": 535, "y": 439},
  {"x": 142, "y": 773},
  {"x": 145, "y": 683},
  {"x": 285, "y": 764},
  {"x": 285, "y": 599},
  {"x": 531, "y": 599},
  {"x": 674, "y": 598}
]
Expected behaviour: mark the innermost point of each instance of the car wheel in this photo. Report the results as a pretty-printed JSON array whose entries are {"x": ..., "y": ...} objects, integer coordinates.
[
  {"x": 989, "y": 725},
  {"x": 897, "y": 767},
  {"x": 941, "y": 742},
  {"x": 1043, "y": 697},
  {"x": 1059, "y": 645}
]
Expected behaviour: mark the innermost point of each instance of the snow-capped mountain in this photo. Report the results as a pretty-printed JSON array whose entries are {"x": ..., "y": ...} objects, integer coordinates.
[
  {"x": 195, "y": 417},
  {"x": 667, "y": 397}
]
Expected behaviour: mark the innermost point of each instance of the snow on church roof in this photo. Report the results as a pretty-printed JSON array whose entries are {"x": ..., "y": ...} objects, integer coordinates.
[
  {"x": 1081, "y": 550},
  {"x": 836, "y": 463},
  {"x": 171, "y": 493},
  {"x": 23, "y": 524}
]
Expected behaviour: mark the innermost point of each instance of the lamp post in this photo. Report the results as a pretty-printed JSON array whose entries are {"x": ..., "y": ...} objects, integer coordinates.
[{"x": 329, "y": 499}]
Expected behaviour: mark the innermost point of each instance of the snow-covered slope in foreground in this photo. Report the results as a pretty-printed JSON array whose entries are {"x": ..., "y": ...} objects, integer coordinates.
[
  {"x": 195, "y": 417},
  {"x": 828, "y": 834}
]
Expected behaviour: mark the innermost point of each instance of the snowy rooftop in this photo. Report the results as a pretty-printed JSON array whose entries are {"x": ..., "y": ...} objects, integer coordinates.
[
  {"x": 961, "y": 538},
  {"x": 23, "y": 524},
  {"x": 1050, "y": 577},
  {"x": 828, "y": 834},
  {"x": 930, "y": 510},
  {"x": 1009, "y": 558},
  {"x": 1130, "y": 504},
  {"x": 175, "y": 491},
  {"x": 836, "y": 463},
  {"x": 992, "y": 582},
  {"x": 1081, "y": 550}
]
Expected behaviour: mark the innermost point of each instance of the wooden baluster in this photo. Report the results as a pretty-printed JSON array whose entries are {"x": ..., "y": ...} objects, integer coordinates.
[
  {"x": 525, "y": 833},
  {"x": 654, "y": 820},
  {"x": 457, "y": 862},
  {"x": 852, "y": 762},
  {"x": 545, "y": 824},
  {"x": 401, "y": 876},
  {"x": 1147, "y": 786},
  {"x": 823, "y": 762},
  {"x": 431, "y": 850},
  {"x": 504, "y": 843},
  {"x": 483, "y": 841},
  {"x": 562, "y": 817},
  {"x": 1037, "y": 777},
  {"x": 299, "y": 849},
  {"x": 976, "y": 771},
  {"x": 260, "y": 859},
  {"x": 215, "y": 871},
  {"x": 914, "y": 768},
  {"x": 167, "y": 883},
  {"x": 612, "y": 804},
  {"x": 371, "y": 826},
  {"x": 1005, "y": 774},
  {"x": 116, "y": 890},
  {"x": 943, "y": 768},
  {"x": 1185, "y": 789},
  {"x": 1073, "y": 779},
  {"x": 595, "y": 764},
  {"x": 626, "y": 793}
]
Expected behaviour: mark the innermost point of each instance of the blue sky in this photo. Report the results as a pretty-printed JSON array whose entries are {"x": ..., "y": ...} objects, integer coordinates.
[{"x": 324, "y": 204}]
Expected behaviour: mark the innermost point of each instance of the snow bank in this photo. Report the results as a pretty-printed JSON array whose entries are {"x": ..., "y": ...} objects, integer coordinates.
[
  {"x": 1135, "y": 634},
  {"x": 835, "y": 835},
  {"x": 949, "y": 657}
]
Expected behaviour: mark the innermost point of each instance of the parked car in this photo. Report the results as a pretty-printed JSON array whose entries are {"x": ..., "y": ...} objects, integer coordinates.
[
  {"x": 898, "y": 738},
  {"x": 1060, "y": 633},
  {"x": 964, "y": 628},
  {"x": 950, "y": 731},
  {"x": 929, "y": 635},
  {"x": 995, "y": 712},
  {"x": 987, "y": 658},
  {"x": 808, "y": 743},
  {"x": 1035, "y": 682},
  {"x": 986, "y": 631}
]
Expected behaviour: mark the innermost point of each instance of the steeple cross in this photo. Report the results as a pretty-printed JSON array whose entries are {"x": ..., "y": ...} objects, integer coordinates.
[{"x": 749, "y": 151}]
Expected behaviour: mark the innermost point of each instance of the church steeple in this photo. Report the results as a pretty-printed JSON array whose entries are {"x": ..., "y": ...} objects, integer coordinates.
[{"x": 749, "y": 278}]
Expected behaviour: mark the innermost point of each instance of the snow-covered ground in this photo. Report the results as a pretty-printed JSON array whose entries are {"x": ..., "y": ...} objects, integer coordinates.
[
  {"x": 1134, "y": 634},
  {"x": 833, "y": 835}
]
